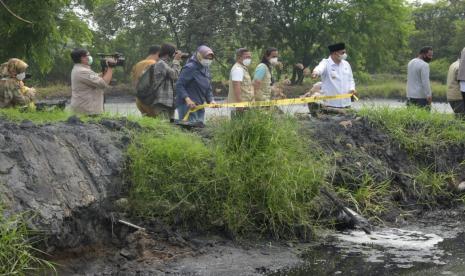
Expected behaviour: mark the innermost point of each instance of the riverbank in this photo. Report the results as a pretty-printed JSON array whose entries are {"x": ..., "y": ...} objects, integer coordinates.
[
  {"x": 377, "y": 87},
  {"x": 387, "y": 165}
]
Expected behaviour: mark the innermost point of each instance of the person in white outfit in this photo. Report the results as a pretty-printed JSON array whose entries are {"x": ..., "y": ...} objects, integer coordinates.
[{"x": 336, "y": 76}]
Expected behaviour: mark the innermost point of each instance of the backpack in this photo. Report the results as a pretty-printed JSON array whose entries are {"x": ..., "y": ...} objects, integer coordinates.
[{"x": 144, "y": 88}]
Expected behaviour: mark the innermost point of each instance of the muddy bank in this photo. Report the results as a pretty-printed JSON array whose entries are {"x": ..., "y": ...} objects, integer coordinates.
[
  {"x": 65, "y": 174},
  {"x": 71, "y": 174}
]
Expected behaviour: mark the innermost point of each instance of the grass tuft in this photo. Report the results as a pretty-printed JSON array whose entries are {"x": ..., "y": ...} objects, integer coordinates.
[
  {"x": 17, "y": 255},
  {"x": 253, "y": 178}
]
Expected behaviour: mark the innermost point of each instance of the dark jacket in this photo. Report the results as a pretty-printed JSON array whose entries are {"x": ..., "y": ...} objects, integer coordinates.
[{"x": 194, "y": 82}]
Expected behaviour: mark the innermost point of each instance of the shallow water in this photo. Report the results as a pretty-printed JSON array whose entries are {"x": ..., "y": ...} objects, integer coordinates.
[
  {"x": 436, "y": 250},
  {"x": 128, "y": 107}
]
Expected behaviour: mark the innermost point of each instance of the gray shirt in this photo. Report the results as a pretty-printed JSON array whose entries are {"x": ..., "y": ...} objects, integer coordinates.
[{"x": 418, "y": 85}]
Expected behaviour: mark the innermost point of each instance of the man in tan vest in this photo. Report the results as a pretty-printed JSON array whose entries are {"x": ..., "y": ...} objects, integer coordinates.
[
  {"x": 454, "y": 96},
  {"x": 240, "y": 83}
]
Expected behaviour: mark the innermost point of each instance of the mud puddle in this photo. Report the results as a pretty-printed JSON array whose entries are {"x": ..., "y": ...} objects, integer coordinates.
[{"x": 426, "y": 248}]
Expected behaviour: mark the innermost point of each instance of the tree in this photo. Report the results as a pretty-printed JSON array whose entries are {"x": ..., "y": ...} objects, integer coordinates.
[{"x": 54, "y": 24}]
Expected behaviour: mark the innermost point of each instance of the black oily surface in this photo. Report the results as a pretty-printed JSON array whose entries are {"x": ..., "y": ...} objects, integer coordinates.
[{"x": 64, "y": 174}]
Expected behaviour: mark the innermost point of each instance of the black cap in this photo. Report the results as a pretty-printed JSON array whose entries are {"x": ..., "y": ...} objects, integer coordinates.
[{"x": 336, "y": 47}]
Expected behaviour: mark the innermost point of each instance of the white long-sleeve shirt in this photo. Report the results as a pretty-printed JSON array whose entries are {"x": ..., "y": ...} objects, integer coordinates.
[
  {"x": 418, "y": 85},
  {"x": 336, "y": 79}
]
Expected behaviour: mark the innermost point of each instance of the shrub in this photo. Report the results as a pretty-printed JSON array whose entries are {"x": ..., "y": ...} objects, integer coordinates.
[
  {"x": 439, "y": 69},
  {"x": 257, "y": 176}
]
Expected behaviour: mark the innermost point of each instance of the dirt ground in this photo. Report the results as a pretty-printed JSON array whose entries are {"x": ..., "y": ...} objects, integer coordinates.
[{"x": 72, "y": 174}]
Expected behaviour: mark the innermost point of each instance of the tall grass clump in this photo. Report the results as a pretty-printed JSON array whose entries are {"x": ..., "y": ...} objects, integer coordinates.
[
  {"x": 256, "y": 176},
  {"x": 17, "y": 255},
  {"x": 416, "y": 129},
  {"x": 269, "y": 174},
  {"x": 171, "y": 177}
]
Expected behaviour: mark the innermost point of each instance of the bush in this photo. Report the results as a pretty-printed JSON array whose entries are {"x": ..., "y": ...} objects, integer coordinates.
[
  {"x": 439, "y": 69},
  {"x": 169, "y": 175},
  {"x": 254, "y": 178}
]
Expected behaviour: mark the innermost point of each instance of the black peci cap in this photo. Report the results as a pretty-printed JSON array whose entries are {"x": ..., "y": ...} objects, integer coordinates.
[{"x": 336, "y": 47}]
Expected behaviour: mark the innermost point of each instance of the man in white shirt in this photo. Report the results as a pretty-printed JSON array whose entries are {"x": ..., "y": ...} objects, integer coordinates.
[
  {"x": 418, "y": 86},
  {"x": 336, "y": 76}
]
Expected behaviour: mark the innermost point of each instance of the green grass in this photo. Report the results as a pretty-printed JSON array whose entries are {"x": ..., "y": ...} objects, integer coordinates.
[
  {"x": 394, "y": 88},
  {"x": 39, "y": 117},
  {"x": 252, "y": 178},
  {"x": 17, "y": 255},
  {"x": 417, "y": 130},
  {"x": 431, "y": 187}
]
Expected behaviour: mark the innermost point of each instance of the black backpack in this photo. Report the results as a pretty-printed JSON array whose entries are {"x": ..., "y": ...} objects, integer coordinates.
[{"x": 145, "y": 91}]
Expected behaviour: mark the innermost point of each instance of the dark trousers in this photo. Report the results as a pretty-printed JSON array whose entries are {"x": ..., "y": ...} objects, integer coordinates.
[
  {"x": 459, "y": 108},
  {"x": 422, "y": 103}
]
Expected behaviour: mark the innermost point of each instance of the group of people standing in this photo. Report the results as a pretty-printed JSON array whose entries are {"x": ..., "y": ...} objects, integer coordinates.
[
  {"x": 174, "y": 87},
  {"x": 193, "y": 84}
]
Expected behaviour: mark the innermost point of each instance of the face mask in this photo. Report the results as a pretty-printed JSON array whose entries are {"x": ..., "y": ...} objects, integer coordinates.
[
  {"x": 206, "y": 62},
  {"x": 91, "y": 60},
  {"x": 247, "y": 62},
  {"x": 274, "y": 60},
  {"x": 21, "y": 76},
  {"x": 427, "y": 59},
  {"x": 344, "y": 56}
]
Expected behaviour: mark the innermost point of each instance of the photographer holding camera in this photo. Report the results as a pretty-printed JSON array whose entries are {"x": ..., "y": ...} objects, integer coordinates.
[{"x": 86, "y": 85}]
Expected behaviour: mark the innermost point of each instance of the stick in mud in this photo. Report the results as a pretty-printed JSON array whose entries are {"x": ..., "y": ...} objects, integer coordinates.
[
  {"x": 131, "y": 225},
  {"x": 356, "y": 218}
]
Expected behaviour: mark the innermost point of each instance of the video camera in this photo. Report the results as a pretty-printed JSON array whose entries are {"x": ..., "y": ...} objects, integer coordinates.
[{"x": 111, "y": 60}]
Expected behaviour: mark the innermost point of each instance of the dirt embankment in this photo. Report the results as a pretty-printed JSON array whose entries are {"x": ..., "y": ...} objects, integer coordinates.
[
  {"x": 63, "y": 173},
  {"x": 71, "y": 174}
]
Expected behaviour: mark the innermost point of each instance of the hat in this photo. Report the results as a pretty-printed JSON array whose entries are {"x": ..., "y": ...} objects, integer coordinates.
[
  {"x": 336, "y": 47},
  {"x": 205, "y": 51}
]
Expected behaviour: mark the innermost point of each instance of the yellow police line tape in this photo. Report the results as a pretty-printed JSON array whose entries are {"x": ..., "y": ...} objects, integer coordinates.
[{"x": 270, "y": 103}]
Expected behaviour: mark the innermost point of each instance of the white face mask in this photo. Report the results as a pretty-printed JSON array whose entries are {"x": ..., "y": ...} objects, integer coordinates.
[
  {"x": 206, "y": 62},
  {"x": 344, "y": 56},
  {"x": 21, "y": 76},
  {"x": 247, "y": 61},
  {"x": 274, "y": 60},
  {"x": 91, "y": 60}
]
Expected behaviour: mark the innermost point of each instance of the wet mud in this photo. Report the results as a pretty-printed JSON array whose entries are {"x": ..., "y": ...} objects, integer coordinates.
[{"x": 72, "y": 174}]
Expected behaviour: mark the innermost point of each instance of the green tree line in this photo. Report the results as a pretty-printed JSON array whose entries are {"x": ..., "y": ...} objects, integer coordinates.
[{"x": 381, "y": 35}]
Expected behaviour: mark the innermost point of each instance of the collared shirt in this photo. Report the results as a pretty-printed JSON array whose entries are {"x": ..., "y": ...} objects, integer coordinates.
[
  {"x": 418, "y": 85},
  {"x": 164, "y": 78},
  {"x": 336, "y": 79},
  {"x": 86, "y": 90}
]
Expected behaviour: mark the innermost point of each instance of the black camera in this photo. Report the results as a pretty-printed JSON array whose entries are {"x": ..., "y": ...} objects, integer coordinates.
[{"x": 111, "y": 60}]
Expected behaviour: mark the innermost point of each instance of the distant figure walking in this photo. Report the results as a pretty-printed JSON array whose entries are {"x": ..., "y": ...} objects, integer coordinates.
[{"x": 418, "y": 85}]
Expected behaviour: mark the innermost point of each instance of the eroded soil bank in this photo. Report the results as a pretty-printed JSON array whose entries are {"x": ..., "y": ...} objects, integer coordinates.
[{"x": 72, "y": 175}]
